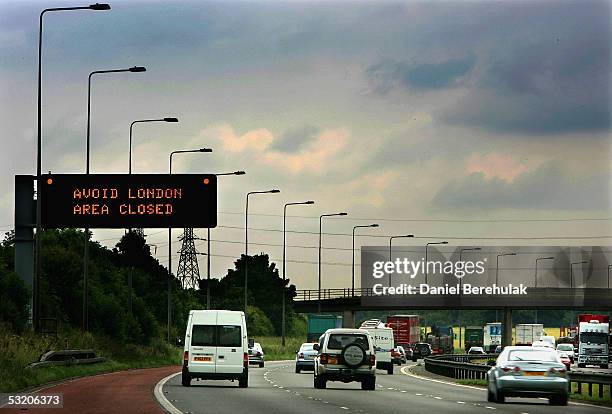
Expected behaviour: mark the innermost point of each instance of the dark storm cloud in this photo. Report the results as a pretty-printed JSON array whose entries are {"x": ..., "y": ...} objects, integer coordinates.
[
  {"x": 389, "y": 74},
  {"x": 295, "y": 139},
  {"x": 548, "y": 187}
]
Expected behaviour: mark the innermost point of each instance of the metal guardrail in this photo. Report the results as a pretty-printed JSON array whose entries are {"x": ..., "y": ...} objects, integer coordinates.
[
  {"x": 313, "y": 294},
  {"x": 462, "y": 367}
]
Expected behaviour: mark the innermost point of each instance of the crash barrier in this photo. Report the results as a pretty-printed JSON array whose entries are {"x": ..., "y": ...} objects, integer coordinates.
[
  {"x": 465, "y": 367},
  {"x": 67, "y": 357}
]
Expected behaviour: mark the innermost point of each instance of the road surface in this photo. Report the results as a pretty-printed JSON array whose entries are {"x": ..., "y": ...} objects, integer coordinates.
[{"x": 278, "y": 389}]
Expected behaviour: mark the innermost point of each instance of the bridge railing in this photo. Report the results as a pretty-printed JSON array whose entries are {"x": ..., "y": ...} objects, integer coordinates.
[
  {"x": 464, "y": 367},
  {"x": 313, "y": 294}
]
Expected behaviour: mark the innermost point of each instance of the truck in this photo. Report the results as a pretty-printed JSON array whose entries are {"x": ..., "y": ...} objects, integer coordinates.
[
  {"x": 383, "y": 343},
  {"x": 406, "y": 330},
  {"x": 593, "y": 343},
  {"x": 318, "y": 324},
  {"x": 492, "y": 333},
  {"x": 473, "y": 336},
  {"x": 528, "y": 333},
  {"x": 441, "y": 339}
]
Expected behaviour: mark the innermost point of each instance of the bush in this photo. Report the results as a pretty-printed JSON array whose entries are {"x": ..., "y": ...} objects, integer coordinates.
[{"x": 14, "y": 300}]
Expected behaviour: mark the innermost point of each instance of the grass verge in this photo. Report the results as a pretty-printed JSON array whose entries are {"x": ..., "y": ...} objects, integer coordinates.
[
  {"x": 16, "y": 351},
  {"x": 273, "y": 349}
]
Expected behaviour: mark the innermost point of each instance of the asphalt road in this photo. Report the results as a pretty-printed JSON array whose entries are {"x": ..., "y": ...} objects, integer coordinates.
[{"x": 278, "y": 389}]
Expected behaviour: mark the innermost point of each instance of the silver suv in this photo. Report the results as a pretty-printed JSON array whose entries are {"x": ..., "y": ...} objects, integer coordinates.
[{"x": 345, "y": 355}]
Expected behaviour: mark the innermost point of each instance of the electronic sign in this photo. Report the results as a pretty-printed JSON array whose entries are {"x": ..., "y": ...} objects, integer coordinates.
[{"x": 129, "y": 200}]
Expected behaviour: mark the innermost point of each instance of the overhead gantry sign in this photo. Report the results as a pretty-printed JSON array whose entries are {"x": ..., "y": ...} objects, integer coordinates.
[{"x": 126, "y": 201}]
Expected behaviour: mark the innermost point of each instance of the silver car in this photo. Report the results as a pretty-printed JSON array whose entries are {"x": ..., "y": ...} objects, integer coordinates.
[
  {"x": 304, "y": 358},
  {"x": 524, "y": 371}
]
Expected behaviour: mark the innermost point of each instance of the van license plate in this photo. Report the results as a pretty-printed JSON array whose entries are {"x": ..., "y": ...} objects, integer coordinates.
[{"x": 202, "y": 359}]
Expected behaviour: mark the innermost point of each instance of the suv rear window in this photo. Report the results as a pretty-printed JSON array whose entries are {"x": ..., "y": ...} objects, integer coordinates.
[
  {"x": 213, "y": 335},
  {"x": 339, "y": 341}
]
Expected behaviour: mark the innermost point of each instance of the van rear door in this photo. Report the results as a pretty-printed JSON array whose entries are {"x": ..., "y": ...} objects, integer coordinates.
[
  {"x": 230, "y": 352},
  {"x": 203, "y": 350}
]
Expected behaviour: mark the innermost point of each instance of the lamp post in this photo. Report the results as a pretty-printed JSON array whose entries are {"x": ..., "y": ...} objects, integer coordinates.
[
  {"x": 353, "y": 265},
  {"x": 461, "y": 250},
  {"x": 208, "y": 246},
  {"x": 309, "y": 202},
  {"x": 536, "y": 278},
  {"x": 426, "y": 246},
  {"x": 390, "y": 246},
  {"x": 169, "y": 287},
  {"x": 246, "y": 242},
  {"x": 572, "y": 271},
  {"x": 37, "y": 240},
  {"x": 134, "y": 69},
  {"x": 320, "y": 232},
  {"x": 536, "y": 267},
  {"x": 497, "y": 265},
  {"x": 141, "y": 121}
]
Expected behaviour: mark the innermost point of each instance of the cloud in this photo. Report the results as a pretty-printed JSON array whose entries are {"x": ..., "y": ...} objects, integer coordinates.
[
  {"x": 549, "y": 187},
  {"x": 296, "y": 138},
  {"x": 502, "y": 166},
  {"x": 255, "y": 140},
  {"x": 391, "y": 74}
]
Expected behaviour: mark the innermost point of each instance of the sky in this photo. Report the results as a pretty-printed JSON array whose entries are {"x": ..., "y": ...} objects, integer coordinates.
[{"x": 479, "y": 122}]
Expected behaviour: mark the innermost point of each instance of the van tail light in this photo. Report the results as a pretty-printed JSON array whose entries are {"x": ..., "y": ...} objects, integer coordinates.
[
  {"x": 185, "y": 356},
  {"x": 372, "y": 360},
  {"x": 323, "y": 359},
  {"x": 301, "y": 355},
  {"x": 245, "y": 360}
]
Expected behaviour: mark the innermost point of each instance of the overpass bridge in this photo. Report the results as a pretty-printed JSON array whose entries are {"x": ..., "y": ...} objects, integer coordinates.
[{"x": 348, "y": 301}]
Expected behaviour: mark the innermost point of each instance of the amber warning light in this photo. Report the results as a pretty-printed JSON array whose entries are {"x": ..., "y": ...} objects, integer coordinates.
[{"x": 126, "y": 201}]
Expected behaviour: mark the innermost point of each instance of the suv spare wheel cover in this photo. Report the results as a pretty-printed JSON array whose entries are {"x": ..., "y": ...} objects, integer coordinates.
[{"x": 353, "y": 355}]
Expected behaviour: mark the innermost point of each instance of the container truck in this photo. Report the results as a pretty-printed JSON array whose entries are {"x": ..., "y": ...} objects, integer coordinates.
[
  {"x": 441, "y": 339},
  {"x": 406, "y": 330},
  {"x": 593, "y": 343},
  {"x": 492, "y": 333},
  {"x": 528, "y": 333},
  {"x": 473, "y": 336},
  {"x": 318, "y": 324}
]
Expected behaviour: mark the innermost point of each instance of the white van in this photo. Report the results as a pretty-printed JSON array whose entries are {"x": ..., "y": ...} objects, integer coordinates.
[
  {"x": 383, "y": 343},
  {"x": 216, "y": 347}
]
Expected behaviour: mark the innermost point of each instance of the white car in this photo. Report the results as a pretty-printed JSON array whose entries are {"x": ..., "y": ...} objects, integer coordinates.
[
  {"x": 216, "y": 347},
  {"x": 346, "y": 355},
  {"x": 256, "y": 355},
  {"x": 567, "y": 349},
  {"x": 542, "y": 344}
]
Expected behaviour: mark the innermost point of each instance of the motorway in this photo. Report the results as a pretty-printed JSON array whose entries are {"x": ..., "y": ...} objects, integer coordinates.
[{"x": 278, "y": 389}]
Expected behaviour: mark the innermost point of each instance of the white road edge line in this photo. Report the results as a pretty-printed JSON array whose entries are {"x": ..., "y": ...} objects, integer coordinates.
[
  {"x": 410, "y": 374},
  {"x": 161, "y": 398}
]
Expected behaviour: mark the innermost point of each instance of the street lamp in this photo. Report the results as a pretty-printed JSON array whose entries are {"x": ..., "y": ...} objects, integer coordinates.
[
  {"x": 309, "y": 202},
  {"x": 87, "y": 158},
  {"x": 390, "y": 242},
  {"x": 320, "y": 231},
  {"x": 37, "y": 255},
  {"x": 246, "y": 242},
  {"x": 572, "y": 271},
  {"x": 208, "y": 246},
  {"x": 141, "y": 121},
  {"x": 426, "y": 246},
  {"x": 169, "y": 287},
  {"x": 536, "y": 267},
  {"x": 497, "y": 265},
  {"x": 353, "y": 265}
]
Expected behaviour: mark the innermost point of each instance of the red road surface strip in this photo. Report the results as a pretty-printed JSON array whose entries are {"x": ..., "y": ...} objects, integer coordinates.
[{"x": 117, "y": 392}]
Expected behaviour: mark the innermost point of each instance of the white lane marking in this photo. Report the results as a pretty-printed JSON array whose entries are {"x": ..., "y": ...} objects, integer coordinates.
[
  {"x": 460, "y": 402},
  {"x": 490, "y": 408},
  {"x": 418, "y": 394},
  {"x": 344, "y": 408},
  {"x": 161, "y": 398},
  {"x": 404, "y": 391},
  {"x": 438, "y": 398}
]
